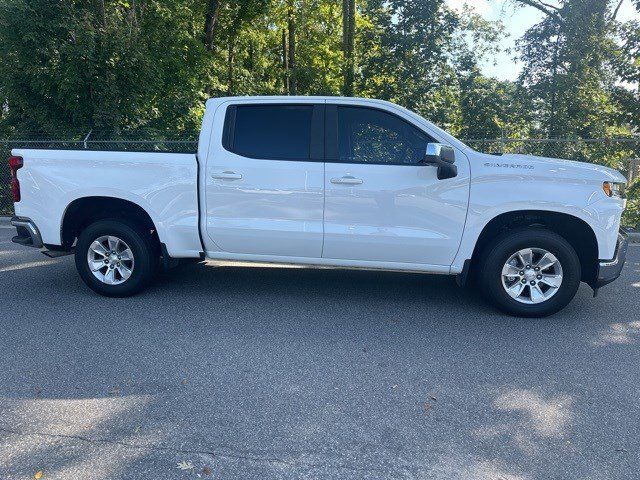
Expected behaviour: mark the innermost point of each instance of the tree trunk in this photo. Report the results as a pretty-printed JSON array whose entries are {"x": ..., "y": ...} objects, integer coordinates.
[
  {"x": 211, "y": 19},
  {"x": 230, "y": 70},
  {"x": 348, "y": 45},
  {"x": 552, "y": 133},
  {"x": 291, "y": 24},
  {"x": 102, "y": 12},
  {"x": 251, "y": 62},
  {"x": 285, "y": 63}
]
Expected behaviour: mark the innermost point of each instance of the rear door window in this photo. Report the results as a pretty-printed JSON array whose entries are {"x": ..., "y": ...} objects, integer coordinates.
[{"x": 271, "y": 132}]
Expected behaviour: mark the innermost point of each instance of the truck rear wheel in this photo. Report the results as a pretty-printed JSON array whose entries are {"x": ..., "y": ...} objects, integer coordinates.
[
  {"x": 530, "y": 272},
  {"x": 115, "y": 258}
]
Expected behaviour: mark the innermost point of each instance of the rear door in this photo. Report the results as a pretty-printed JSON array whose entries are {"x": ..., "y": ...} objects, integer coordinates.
[
  {"x": 382, "y": 204},
  {"x": 265, "y": 179}
]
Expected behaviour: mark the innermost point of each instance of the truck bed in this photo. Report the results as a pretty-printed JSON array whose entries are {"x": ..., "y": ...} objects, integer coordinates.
[{"x": 164, "y": 184}]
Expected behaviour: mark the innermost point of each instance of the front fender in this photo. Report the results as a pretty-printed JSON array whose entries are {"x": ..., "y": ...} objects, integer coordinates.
[{"x": 492, "y": 196}]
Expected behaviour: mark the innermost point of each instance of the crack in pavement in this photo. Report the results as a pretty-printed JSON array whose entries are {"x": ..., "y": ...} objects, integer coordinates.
[{"x": 214, "y": 453}]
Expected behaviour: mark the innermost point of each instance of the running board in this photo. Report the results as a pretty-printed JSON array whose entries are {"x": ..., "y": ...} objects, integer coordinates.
[{"x": 57, "y": 253}]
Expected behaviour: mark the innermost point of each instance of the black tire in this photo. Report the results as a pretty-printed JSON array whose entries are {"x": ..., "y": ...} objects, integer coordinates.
[
  {"x": 494, "y": 257},
  {"x": 142, "y": 245}
]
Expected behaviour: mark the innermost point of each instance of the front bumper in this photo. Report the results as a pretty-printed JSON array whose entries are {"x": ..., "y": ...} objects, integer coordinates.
[
  {"x": 28, "y": 233},
  {"x": 609, "y": 270}
]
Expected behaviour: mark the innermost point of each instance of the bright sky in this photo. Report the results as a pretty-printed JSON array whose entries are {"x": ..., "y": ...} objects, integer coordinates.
[{"x": 517, "y": 20}]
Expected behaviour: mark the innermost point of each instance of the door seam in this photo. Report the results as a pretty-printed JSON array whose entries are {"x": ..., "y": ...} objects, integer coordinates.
[{"x": 324, "y": 204}]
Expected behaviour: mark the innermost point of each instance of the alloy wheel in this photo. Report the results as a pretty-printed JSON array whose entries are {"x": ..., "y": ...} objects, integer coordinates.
[
  {"x": 110, "y": 260},
  {"x": 532, "y": 275}
]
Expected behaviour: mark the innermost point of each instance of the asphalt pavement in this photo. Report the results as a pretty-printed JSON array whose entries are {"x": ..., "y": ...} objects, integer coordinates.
[{"x": 288, "y": 373}]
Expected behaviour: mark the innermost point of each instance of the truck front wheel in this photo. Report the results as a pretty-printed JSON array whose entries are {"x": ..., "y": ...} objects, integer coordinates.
[
  {"x": 115, "y": 258},
  {"x": 530, "y": 272}
]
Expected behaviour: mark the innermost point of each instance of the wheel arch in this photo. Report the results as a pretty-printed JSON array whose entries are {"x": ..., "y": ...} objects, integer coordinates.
[
  {"x": 83, "y": 211},
  {"x": 573, "y": 229}
]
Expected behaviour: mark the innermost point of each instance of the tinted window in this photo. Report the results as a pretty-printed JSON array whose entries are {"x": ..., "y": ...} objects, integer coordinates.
[
  {"x": 273, "y": 131},
  {"x": 366, "y": 135}
]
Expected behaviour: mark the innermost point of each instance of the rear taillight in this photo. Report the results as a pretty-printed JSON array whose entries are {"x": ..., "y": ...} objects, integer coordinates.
[{"x": 15, "y": 163}]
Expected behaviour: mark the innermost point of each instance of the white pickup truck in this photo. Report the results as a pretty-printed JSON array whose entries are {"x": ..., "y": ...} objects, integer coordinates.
[{"x": 327, "y": 181}]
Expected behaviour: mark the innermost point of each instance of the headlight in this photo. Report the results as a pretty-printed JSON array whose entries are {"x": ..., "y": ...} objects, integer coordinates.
[{"x": 613, "y": 189}]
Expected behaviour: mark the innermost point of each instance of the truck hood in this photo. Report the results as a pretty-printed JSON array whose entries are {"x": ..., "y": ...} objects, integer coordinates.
[{"x": 564, "y": 168}]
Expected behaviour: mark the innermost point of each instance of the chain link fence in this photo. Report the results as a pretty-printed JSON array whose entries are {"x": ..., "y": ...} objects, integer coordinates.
[
  {"x": 619, "y": 153},
  {"x": 613, "y": 152}
]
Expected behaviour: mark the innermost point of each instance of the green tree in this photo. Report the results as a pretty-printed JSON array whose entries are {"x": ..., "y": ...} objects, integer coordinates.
[
  {"x": 627, "y": 68},
  {"x": 106, "y": 67},
  {"x": 403, "y": 56},
  {"x": 565, "y": 67}
]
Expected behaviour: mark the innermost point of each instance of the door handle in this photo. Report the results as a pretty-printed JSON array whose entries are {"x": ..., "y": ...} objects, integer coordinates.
[
  {"x": 347, "y": 180},
  {"x": 227, "y": 175}
]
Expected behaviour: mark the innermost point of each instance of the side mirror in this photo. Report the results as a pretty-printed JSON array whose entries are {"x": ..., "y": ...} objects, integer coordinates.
[{"x": 443, "y": 157}]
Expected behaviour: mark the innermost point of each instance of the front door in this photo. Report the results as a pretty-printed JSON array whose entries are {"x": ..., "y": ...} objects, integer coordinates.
[
  {"x": 382, "y": 204},
  {"x": 265, "y": 180}
]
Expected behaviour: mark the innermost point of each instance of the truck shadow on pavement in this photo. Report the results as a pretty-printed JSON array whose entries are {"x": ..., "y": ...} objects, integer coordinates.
[{"x": 257, "y": 372}]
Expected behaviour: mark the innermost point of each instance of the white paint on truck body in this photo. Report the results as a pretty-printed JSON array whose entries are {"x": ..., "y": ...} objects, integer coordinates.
[{"x": 397, "y": 218}]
